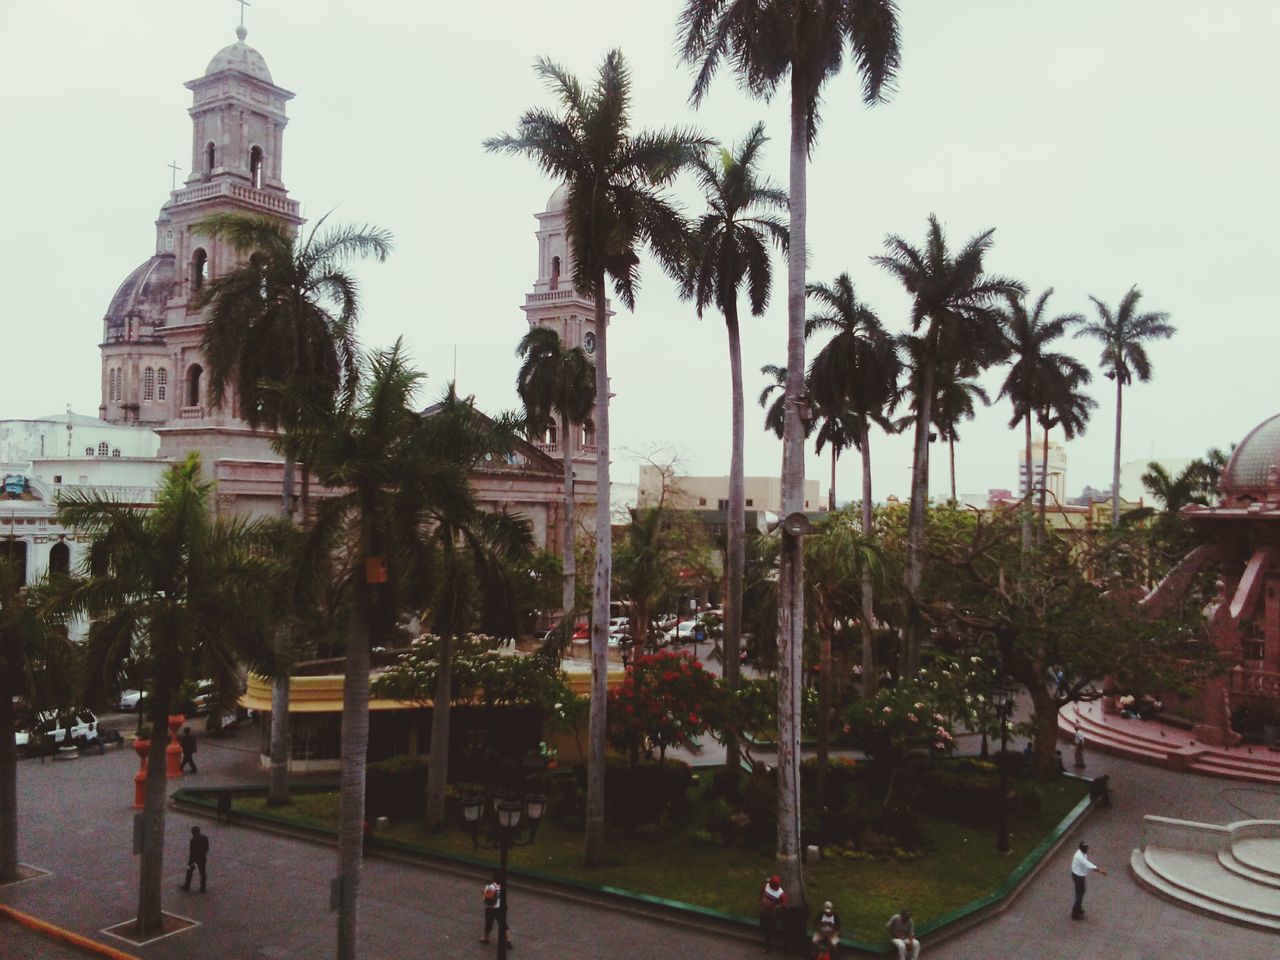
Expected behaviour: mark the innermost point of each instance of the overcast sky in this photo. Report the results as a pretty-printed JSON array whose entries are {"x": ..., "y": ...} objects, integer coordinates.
[{"x": 1109, "y": 143}]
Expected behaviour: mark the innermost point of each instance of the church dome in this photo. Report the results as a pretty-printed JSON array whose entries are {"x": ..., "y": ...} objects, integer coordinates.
[
  {"x": 1253, "y": 472},
  {"x": 239, "y": 56},
  {"x": 141, "y": 297},
  {"x": 559, "y": 199}
]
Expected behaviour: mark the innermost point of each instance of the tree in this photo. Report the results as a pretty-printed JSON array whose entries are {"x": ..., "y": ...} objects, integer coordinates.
[
  {"x": 803, "y": 42},
  {"x": 559, "y": 381},
  {"x": 858, "y": 369},
  {"x": 666, "y": 698},
  {"x": 952, "y": 300},
  {"x": 36, "y": 665},
  {"x": 774, "y": 409},
  {"x": 1028, "y": 336},
  {"x": 280, "y": 337},
  {"x": 615, "y": 206},
  {"x": 180, "y": 592},
  {"x": 955, "y": 401},
  {"x": 1063, "y": 403},
  {"x": 1124, "y": 334},
  {"x": 729, "y": 244},
  {"x": 658, "y": 546}
]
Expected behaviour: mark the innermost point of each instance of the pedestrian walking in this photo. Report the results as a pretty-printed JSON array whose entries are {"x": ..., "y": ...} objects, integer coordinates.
[
  {"x": 187, "y": 740},
  {"x": 493, "y": 908},
  {"x": 902, "y": 934},
  {"x": 773, "y": 900},
  {"x": 1080, "y": 867},
  {"x": 1079, "y": 748},
  {"x": 197, "y": 857}
]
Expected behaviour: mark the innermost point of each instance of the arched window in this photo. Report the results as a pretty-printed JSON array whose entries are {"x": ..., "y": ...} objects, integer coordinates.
[
  {"x": 255, "y": 167},
  {"x": 551, "y": 433},
  {"x": 103, "y": 449},
  {"x": 588, "y": 435},
  {"x": 162, "y": 383},
  {"x": 193, "y": 385},
  {"x": 555, "y": 272},
  {"x": 149, "y": 384},
  {"x": 199, "y": 269},
  {"x": 209, "y": 154},
  {"x": 60, "y": 558},
  {"x": 115, "y": 451},
  {"x": 88, "y": 451},
  {"x": 111, "y": 385}
]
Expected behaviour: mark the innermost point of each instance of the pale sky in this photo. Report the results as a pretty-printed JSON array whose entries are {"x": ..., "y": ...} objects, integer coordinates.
[{"x": 1109, "y": 143}]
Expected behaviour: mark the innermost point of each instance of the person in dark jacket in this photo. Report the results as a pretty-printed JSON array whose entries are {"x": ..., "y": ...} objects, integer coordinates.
[
  {"x": 197, "y": 856},
  {"x": 188, "y": 743}
]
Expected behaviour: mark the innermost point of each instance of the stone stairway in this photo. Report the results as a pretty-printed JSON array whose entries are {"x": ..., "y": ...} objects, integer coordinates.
[
  {"x": 1230, "y": 872},
  {"x": 1163, "y": 746}
]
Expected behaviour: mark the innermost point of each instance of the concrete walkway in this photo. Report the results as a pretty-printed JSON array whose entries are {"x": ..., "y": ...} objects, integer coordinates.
[{"x": 268, "y": 895}]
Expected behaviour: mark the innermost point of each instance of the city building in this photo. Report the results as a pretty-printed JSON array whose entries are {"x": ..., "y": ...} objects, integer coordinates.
[
  {"x": 1050, "y": 474},
  {"x": 711, "y": 494}
]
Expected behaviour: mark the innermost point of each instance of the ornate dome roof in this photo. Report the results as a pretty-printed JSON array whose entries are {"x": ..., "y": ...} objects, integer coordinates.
[
  {"x": 239, "y": 56},
  {"x": 1254, "y": 469},
  {"x": 142, "y": 295},
  {"x": 559, "y": 199}
]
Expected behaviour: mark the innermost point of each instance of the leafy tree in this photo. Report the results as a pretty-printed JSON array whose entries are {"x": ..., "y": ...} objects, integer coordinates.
[
  {"x": 729, "y": 245},
  {"x": 180, "y": 592},
  {"x": 892, "y": 722},
  {"x": 1124, "y": 334},
  {"x": 279, "y": 338},
  {"x": 802, "y": 43},
  {"x": 667, "y": 699},
  {"x": 36, "y": 665},
  {"x": 615, "y": 206},
  {"x": 658, "y": 545},
  {"x": 774, "y": 409},
  {"x": 557, "y": 380},
  {"x": 952, "y": 300}
]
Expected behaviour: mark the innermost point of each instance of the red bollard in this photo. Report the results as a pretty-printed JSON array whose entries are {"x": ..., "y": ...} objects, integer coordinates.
[
  {"x": 173, "y": 752},
  {"x": 140, "y": 778}
]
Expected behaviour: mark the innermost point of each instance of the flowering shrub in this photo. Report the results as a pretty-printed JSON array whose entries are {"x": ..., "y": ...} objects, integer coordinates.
[
  {"x": 667, "y": 699},
  {"x": 895, "y": 720}
]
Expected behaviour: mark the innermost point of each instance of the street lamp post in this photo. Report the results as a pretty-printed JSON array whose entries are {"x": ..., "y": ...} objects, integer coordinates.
[
  {"x": 508, "y": 808},
  {"x": 1004, "y": 697}
]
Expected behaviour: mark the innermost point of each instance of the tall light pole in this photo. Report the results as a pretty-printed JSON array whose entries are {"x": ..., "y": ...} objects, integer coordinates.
[{"x": 507, "y": 811}]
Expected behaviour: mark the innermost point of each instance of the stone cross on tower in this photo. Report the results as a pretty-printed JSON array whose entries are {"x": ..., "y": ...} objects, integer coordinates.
[
  {"x": 243, "y": 4},
  {"x": 175, "y": 168}
]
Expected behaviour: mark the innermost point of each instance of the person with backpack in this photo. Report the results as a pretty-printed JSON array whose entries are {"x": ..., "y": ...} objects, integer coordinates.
[
  {"x": 493, "y": 907},
  {"x": 773, "y": 900}
]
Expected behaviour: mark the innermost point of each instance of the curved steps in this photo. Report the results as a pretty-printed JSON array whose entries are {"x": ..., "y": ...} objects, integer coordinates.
[{"x": 1192, "y": 900}]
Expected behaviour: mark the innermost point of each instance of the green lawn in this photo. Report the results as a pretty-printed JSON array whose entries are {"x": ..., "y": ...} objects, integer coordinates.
[{"x": 961, "y": 865}]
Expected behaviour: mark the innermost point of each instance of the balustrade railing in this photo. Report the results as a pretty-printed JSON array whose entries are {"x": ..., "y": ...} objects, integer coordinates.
[
  {"x": 191, "y": 413},
  {"x": 1263, "y": 683},
  {"x": 250, "y": 195}
]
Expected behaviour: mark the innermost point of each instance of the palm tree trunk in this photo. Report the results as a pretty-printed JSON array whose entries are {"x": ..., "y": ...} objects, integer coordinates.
[
  {"x": 1044, "y": 484},
  {"x": 154, "y": 795},
  {"x": 1029, "y": 484},
  {"x": 570, "y": 587},
  {"x": 869, "y": 677},
  {"x": 441, "y": 710},
  {"x": 278, "y": 786},
  {"x": 824, "y": 714},
  {"x": 737, "y": 522},
  {"x": 8, "y": 790},
  {"x": 919, "y": 509},
  {"x": 1115, "y": 463},
  {"x": 594, "y": 853},
  {"x": 831, "y": 493},
  {"x": 951, "y": 451},
  {"x": 355, "y": 751},
  {"x": 791, "y": 557}
]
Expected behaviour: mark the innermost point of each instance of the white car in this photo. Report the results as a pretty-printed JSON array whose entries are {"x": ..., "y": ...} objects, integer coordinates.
[
  {"x": 131, "y": 699},
  {"x": 52, "y": 726}
]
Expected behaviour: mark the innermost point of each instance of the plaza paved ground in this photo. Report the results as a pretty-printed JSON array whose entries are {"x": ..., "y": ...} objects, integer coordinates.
[{"x": 268, "y": 895}]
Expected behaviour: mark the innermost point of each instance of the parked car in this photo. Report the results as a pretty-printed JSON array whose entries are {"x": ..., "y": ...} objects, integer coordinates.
[
  {"x": 51, "y": 727},
  {"x": 131, "y": 700}
]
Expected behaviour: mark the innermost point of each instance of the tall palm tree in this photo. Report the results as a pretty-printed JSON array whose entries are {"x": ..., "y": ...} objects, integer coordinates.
[
  {"x": 774, "y": 417},
  {"x": 280, "y": 333},
  {"x": 1028, "y": 335},
  {"x": 615, "y": 177},
  {"x": 1124, "y": 333},
  {"x": 805, "y": 42},
  {"x": 859, "y": 368},
  {"x": 559, "y": 381},
  {"x": 1062, "y": 403},
  {"x": 952, "y": 300},
  {"x": 36, "y": 661},
  {"x": 179, "y": 592},
  {"x": 956, "y": 400},
  {"x": 729, "y": 245}
]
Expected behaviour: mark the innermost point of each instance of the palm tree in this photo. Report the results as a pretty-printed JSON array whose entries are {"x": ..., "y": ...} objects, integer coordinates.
[
  {"x": 774, "y": 417},
  {"x": 1028, "y": 336},
  {"x": 729, "y": 244},
  {"x": 35, "y": 664},
  {"x": 280, "y": 332},
  {"x": 559, "y": 381},
  {"x": 1062, "y": 403},
  {"x": 955, "y": 401},
  {"x": 952, "y": 300},
  {"x": 180, "y": 592},
  {"x": 1123, "y": 334},
  {"x": 858, "y": 368},
  {"x": 803, "y": 41},
  {"x": 615, "y": 206}
]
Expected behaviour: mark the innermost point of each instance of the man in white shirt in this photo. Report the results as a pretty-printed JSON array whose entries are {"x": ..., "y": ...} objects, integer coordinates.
[{"x": 1080, "y": 867}]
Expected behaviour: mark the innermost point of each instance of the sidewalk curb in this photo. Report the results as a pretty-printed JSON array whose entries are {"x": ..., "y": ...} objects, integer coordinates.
[{"x": 66, "y": 936}]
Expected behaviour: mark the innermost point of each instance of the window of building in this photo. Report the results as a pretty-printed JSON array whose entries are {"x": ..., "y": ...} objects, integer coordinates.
[
  {"x": 162, "y": 383},
  {"x": 60, "y": 558},
  {"x": 88, "y": 451},
  {"x": 702, "y": 501},
  {"x": 119, "y": 384},
  {"x": 103, "y": 449},
  {"x": 199, "y": 269},
  {"x": 57, "y": 478},
  {"x": 193, "y": 385},
  {"x": 209, "y": 155},
  {"x": 115, "y": 451},
  {"x": 750, "y": 502},
  {"x": 722, "y": 504},
  {"x": 555, "y": 272},
  {"x": 149, "y": 384},
  {"x": 111, "y": 385},
  {"x": 255, "y": 167}
]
